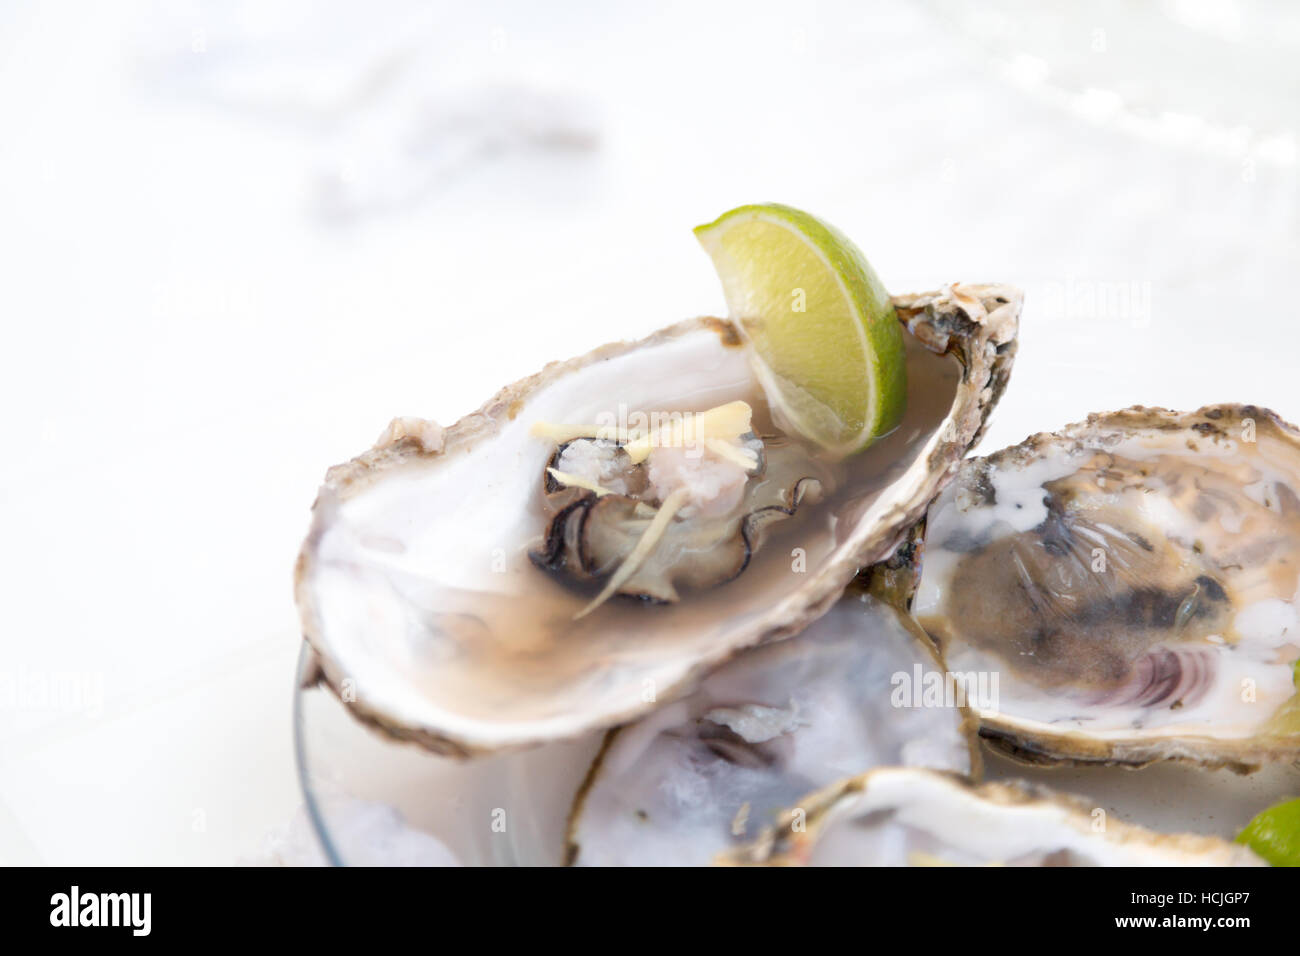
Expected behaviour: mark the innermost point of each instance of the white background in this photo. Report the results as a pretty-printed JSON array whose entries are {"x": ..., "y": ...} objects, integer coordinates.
[{"x": 235, "y": 240}]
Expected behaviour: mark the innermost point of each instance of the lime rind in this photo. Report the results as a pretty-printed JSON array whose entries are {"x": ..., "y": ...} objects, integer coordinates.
[
  {"x": 1274, "y": 834},
  {"x": 843, "y": 423}
]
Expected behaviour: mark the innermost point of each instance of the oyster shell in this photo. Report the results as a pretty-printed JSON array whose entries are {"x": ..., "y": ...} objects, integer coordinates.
[
  {"x": 1133, "y": 581},
  {"x": 705, "y": 773},
  {"x": 415, "y": 587},
  {"x": 896, "y": 816}
]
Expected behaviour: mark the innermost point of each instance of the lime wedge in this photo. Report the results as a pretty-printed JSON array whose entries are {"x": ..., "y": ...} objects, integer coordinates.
[
  {"x": 826, "y": 343},
  {"x": 1275, "y": 834}
]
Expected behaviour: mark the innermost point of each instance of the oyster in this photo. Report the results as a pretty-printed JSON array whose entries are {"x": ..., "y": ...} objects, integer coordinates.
[
  {"x": 896, "y": 816},
  {"x": 416, "y": 587},
  {"x": 1133, "y": 581},
  {"x": 612, "y": 502},
  {"x": 705, "y": 773}
]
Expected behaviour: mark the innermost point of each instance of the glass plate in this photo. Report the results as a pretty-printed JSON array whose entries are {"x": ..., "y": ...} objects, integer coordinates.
[{"x": 503, "y": 810}]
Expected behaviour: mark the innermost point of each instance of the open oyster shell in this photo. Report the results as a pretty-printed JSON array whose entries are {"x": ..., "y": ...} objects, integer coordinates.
[
  {"x": 704, "y": 774},
  {"x": 1133, "y": 582},
  {"x": 897, "y": 816},
  {"x": 415, "y": 585}
]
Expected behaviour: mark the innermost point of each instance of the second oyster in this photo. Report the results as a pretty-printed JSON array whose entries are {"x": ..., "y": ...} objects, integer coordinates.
[{"x": 1133, "y": 580}]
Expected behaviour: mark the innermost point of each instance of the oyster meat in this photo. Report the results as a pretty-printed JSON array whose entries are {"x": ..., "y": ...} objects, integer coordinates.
[
  {"x": 705, "y": 773},
  {"x": 1133, "y": 581},
  {"x": 458, "y": 592},
  {"x": 898, "y": 816},
  {"x": 613, "y": 502}
]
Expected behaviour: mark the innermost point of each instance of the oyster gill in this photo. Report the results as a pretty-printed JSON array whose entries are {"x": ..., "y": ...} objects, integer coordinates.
[
  {"x": 898, "y": 816},
  {"x": 415, "y": 587},
  {"x": 706, "y": 773},
  {"x": 1133, "y": 581}
]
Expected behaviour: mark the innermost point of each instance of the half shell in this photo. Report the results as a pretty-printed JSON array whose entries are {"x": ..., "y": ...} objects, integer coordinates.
[
  {"x": 1133, "y": 582},
  {"x": 897, "y": 816},
  {"x": 415, "y": 587}
]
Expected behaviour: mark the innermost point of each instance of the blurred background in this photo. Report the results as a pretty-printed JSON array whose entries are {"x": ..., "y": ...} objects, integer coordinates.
[{"x": 237, "y": 238}]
